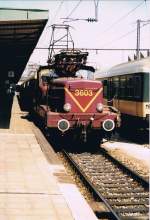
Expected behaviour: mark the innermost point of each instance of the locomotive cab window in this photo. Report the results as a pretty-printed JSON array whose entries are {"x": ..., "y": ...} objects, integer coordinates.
[
  {"x": 45, "y": 79},
  {"x": 28, "y": 83},
  {"x": 85, "y": 74}
]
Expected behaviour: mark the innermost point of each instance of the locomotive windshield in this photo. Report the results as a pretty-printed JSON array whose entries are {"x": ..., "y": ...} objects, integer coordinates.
[
  {"x": 82, "y": 73},
  {"x": 71, "y": 64},
  {"x": 85, "y": 74}
]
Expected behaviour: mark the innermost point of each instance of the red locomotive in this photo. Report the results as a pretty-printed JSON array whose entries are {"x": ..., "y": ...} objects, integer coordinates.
[
  {"x": 72, "y": 101},
  {"x": 67, "y": 98}
]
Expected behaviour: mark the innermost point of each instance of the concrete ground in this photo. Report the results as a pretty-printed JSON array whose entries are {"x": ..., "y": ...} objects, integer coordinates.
[{"x": 135, "y": 156}]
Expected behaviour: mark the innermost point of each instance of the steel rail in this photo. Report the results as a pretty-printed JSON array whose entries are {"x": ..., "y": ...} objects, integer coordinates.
[
  {"x": 144, "y": 183},
  {"x": 90, "y": 185}
]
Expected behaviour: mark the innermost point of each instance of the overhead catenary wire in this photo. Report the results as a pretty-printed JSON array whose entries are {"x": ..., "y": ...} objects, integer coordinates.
[
  {"x": 145, "y": 23},
  {"x": 147, "y": 9},
  {"x": 69, "y": 19},
  {"x": 73, "y": 10},
  {"x": 119, "y": 38},
  {"x": 124, "y": 35},
  {"x": 123, "y": 17},
  {"x": 57, "y": 11},
  {"x": 97, "y": 49},
  {"x": 96, "y": 2}
]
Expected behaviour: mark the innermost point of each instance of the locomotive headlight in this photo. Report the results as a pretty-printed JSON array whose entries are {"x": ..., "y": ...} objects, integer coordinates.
[
  {"x": 108, "y": 125},
  {"x": 67, "y": 107},
  {"x": 63, "y": 125},
  {"x": 99, "y": 107}
]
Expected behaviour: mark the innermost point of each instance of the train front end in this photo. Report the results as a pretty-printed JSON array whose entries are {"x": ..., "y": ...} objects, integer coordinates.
[{"x": 77, "y": 104}]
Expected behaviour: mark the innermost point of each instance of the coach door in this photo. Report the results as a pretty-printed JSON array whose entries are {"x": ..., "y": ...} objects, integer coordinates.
[
  {"x": 110, "y": 92},
  {"x": 115, "y": 86}
]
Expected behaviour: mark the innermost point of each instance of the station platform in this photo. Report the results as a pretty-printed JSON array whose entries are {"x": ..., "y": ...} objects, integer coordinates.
[{"x": 31, "y": 187}]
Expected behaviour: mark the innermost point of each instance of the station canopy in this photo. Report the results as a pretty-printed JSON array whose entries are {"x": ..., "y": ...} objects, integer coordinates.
[{"x": 20, "y": 30}]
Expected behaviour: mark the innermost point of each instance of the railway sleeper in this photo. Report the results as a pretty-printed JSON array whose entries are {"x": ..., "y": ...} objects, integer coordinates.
[
  {"x": 129, "y": 202},
  {"x": 112, "y": 184},
  {"x": 123, "y": 191},
  {"x": 126, "y": 196},
  {"x": 131, "y": 209},
  {"x": 115, "y": 185},
  {"x": 121, "y": 203},
  {"x": 140, "y": 217},
  {"x": 110, "y": 181},
  {"x": 107, "y": 172},
  {"x": 100, "y": 169},
  {"x": 108, "y": 165},
  {"x": 103, "y": 173},
  {"x": 117, "y": 182}
]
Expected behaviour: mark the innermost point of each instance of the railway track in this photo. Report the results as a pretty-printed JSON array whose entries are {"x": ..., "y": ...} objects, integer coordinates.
[{"x": 123, "y": 191}]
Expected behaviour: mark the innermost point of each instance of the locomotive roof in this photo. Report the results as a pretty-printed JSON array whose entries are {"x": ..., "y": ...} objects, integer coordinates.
[
  {"x": 70, "y": 79},
  {"x": 70, "y": 53},
  {"x": 138, "y": 66}
]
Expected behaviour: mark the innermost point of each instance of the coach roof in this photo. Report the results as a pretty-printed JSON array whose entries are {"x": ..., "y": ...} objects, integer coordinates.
[{"x": 137, "y": 66}]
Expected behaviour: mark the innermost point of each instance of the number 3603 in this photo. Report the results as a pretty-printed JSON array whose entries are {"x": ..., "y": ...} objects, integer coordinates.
[{"x": 81, "y": 92}]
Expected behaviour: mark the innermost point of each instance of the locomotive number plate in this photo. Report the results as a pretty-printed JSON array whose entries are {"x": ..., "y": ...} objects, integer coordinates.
[{"x": 81, "y": 92}]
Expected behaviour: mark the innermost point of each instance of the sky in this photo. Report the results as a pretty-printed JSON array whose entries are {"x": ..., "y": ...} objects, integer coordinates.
[{"x": 116, "y": 27}]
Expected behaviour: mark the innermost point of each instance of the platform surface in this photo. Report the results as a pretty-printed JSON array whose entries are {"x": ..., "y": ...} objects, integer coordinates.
[{"x": 31, "y": 187}]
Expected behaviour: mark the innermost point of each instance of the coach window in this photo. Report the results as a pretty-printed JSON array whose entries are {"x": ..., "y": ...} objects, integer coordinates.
[
  {"x": 105, "y": 88},
  {"x": 109, "y": 89},
  {"x": 122, "y": 86},
  {"x": 130, "y": 86},
  {"x": 137, "y": 87},
  {"x": 115, "y": 87}
]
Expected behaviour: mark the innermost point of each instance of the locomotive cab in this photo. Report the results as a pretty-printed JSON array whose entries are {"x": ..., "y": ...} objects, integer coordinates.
[
  {"x": 68, "y": 99},
  {"x": 70, "y": 103}
]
